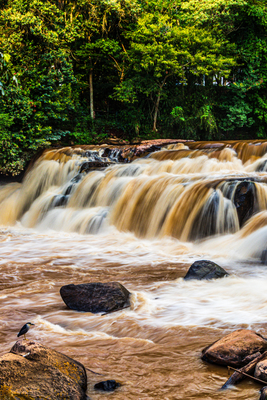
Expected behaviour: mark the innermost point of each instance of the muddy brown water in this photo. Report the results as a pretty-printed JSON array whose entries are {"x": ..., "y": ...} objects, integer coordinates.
[{"x": 128, "y": 224}]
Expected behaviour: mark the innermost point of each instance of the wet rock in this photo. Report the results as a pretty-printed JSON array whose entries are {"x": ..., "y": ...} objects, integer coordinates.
[
  {"x": 236, "y": 349},
  {"x": 146, "y": 148},
  {"x": 204, "y": 269},
  {"x": 107, "y": 386},
  {"x": 263, "y": 392},
  {"x": 264, "y": 257},
  {"x": 262, "y": 166},
  {"x": 244, "y": 201},
  {"x": 106, "y": 152},
  {"x": 96, "y": 297},
  {"x": 33, "y": 371},
  {"x": 60, "y": 200},
  {"x": 88, "y": 166},
  {"x": 73, "y": 183},
  {"x": 261, "y": 370}
]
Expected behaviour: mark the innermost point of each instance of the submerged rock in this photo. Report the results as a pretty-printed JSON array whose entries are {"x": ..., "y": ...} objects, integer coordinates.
[
  {"x": 107, "y": 386},
  {"x": 33, "y": 371},
  {"x": 204, "y": 269},
  {"x": 96, "y": 297},
  {"x": 236, "y": 349}
]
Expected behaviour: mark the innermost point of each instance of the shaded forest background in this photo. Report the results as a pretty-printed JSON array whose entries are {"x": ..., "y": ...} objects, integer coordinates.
[{"x": 78, "y": 72}]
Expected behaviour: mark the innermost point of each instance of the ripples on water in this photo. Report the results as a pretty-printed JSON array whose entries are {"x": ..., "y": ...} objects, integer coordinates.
[{"x": 142, "y": 224}]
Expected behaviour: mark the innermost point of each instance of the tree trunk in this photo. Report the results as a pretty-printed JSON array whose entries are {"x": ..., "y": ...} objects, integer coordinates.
[
  {"x": 157, "y": 104},
  {"x": 156, "y": 112},
  {"x": 92, "y": 112}
]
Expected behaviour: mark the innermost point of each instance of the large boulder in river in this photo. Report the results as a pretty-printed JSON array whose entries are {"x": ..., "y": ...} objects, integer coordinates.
[
  {"x": 96, "y": 297},
  {"x": 236, "y": 349},
  {"x": 33, "y": 371},
  {"x": 204, "y": 269}
]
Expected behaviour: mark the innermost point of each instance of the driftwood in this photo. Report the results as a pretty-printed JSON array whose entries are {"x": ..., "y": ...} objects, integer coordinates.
[
  {"x": 248, "y": 369},
  {"x": 249, "y": 376}
]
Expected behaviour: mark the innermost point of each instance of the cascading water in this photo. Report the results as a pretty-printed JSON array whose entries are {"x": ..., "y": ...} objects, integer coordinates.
[{"x": 86, "y": 214}]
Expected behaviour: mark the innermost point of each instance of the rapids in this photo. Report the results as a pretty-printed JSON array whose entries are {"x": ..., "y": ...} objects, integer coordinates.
[{"x": 143, "y": 224}]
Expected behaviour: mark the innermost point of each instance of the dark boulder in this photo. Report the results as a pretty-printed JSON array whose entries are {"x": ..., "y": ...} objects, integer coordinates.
[
  {"x": 96, "y": 297},
  {"x": 244, "y": 201},
  {"x": 33, "y": 371},
  {"x": 107, "y": 386},
  {"x": 204, "y": 269},
  {"x": 236, "y": 349}
]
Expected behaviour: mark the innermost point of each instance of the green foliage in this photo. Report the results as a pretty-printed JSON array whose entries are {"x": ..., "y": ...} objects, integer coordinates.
[
  {"x": 80, "y": 71},
  {"x": 10, "y": 152},
  {"x": 88, "y": 131}
]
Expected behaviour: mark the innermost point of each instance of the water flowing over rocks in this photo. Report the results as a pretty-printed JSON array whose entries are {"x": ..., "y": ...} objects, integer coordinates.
[
  {"x": 204, "y": 269},
  {"x": 96, "y": 297},
  {"x": 140, "y": 214},
  {"x": 33, "y": 371},
  {"x": 236, "y": 349}
]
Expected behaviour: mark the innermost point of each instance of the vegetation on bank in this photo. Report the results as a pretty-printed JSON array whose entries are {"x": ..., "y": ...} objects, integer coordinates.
[{"x": 79, "y": 71}]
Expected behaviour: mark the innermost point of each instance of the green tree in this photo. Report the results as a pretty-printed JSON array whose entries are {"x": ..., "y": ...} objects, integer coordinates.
[{"x": 162, "y": 47}]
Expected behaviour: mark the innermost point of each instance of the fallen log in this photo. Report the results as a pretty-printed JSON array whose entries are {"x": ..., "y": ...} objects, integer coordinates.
[{"x": 248, "y": 369}]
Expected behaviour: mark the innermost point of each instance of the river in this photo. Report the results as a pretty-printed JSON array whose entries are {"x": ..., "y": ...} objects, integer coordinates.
[{"x": 142, "y": 224}]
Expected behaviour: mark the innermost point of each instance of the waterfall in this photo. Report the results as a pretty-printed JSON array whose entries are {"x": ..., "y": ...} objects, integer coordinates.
[{"x": 188, "y": 193}]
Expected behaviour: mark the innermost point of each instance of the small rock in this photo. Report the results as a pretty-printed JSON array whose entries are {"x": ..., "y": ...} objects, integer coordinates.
[
  {"x": 235, "y": 349},
  {"x": 107, "y": 386},
  {"x": 261, "y": 370},
  {"x": 263, "y": 392},
  {"x": 204, "y": 269},
  {"x": 96, "y": 297},
  {"x": 264, "y": 257}
]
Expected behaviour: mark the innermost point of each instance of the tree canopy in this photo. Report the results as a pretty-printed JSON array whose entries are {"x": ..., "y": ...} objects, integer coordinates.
[{"x": 78, "y": 71}]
